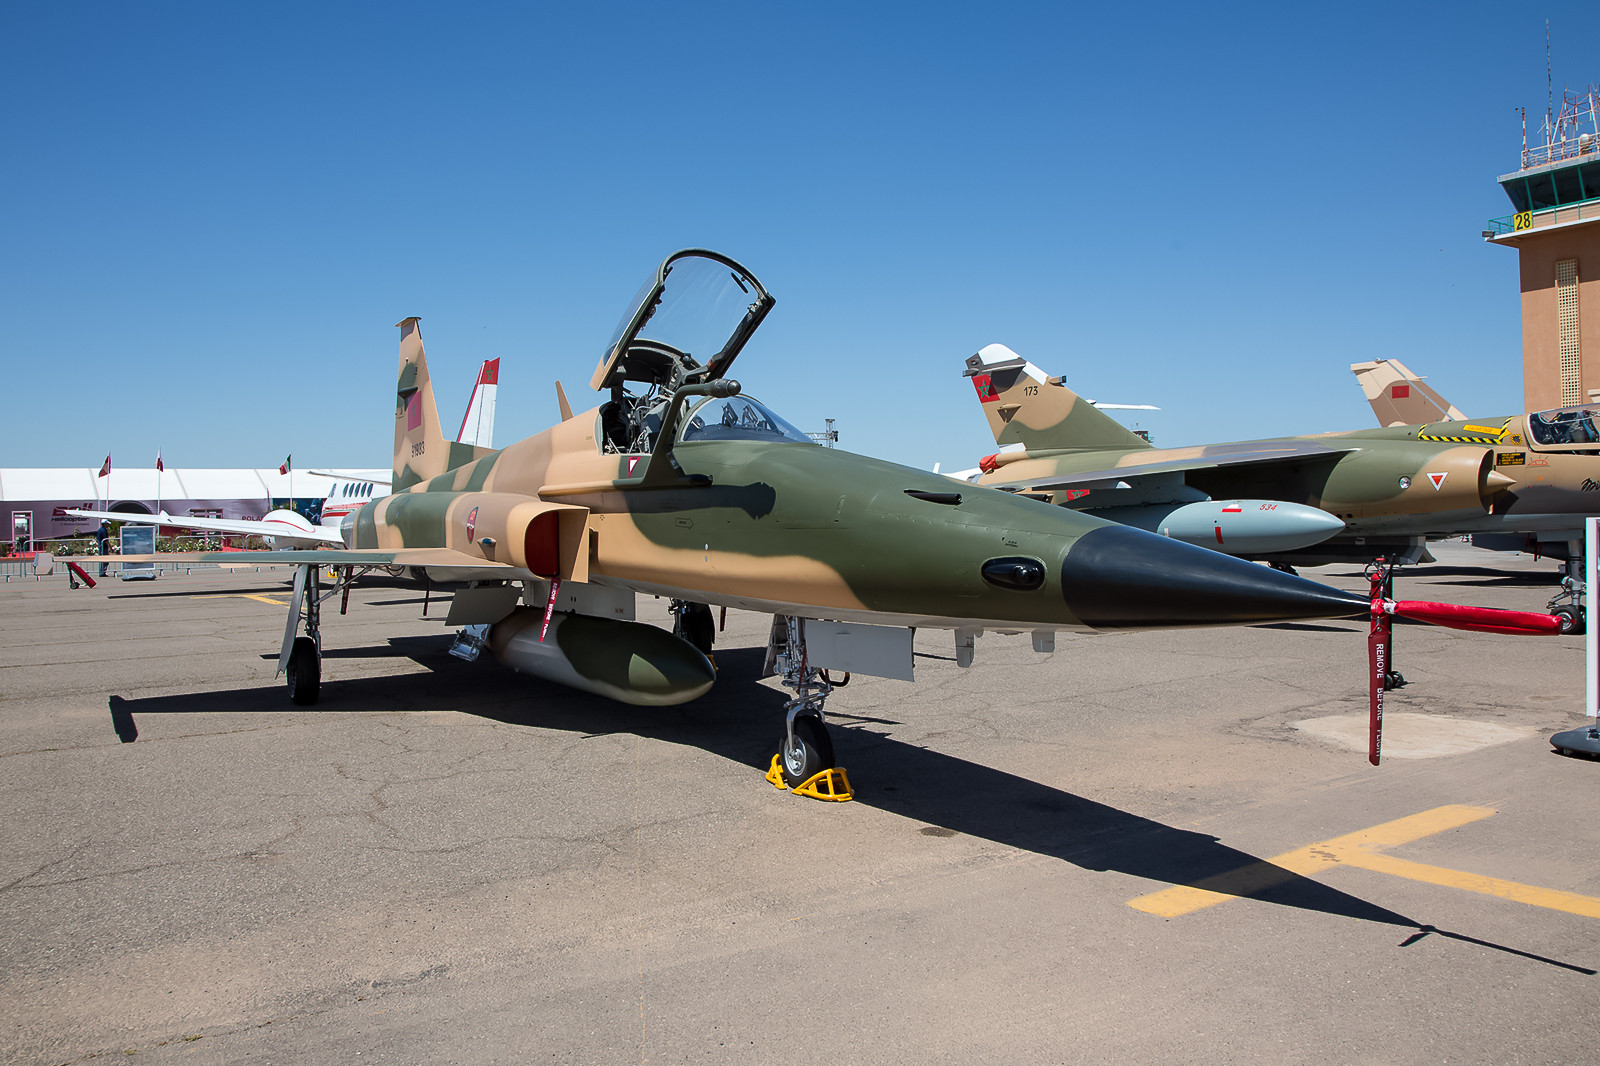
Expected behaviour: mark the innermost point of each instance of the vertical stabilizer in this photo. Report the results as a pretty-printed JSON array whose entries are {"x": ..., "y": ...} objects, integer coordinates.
[
  {"x": 1025, "y": 406},
  {"x": 420, "y": 450},
  {"x": 477, "y": 425},
  {"x": 1399, "y": 398}
]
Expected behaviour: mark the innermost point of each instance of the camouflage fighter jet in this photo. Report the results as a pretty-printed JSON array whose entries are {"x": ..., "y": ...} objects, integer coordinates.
[
  {"x": 1398, "y": 396},
  {"x": 679, "y": 485},
  {"x": 1392, "y": 488}
]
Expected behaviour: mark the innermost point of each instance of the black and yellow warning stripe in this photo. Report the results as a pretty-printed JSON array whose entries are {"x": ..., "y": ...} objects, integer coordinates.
[{"x": 1494, "y": 436}]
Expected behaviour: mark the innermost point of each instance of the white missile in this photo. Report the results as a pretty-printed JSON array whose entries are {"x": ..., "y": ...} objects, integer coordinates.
[{"x": 1233, "y": 527}]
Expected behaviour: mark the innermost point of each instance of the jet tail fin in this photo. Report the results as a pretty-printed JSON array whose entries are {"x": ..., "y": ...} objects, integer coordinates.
[
  {"x": 477, "y": 425},
  {"x": 1027, "y": 407},
  {"x": 1399, "y": 398},
  {"x": 420, "y": 448}
]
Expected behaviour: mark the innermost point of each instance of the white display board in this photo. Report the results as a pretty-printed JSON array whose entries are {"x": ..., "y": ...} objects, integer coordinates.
[
  {"x": 136, "y": 540},
  {"x": 1591, "y": 638}
]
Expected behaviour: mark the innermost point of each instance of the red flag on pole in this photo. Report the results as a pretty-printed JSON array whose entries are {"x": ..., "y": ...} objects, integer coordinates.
[
  {"x": 287, "y": 464},
  {"x": 105, "y": 467},
  {"x": 158, "y": 462}
]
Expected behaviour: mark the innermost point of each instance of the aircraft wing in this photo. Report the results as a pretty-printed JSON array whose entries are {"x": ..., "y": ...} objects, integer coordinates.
[
  {"x": 324, "y": 534},
  {"x": 353, "y": 557},
  {"x": 1209, "y": 457},
  {"x": 444, "y": 557}
]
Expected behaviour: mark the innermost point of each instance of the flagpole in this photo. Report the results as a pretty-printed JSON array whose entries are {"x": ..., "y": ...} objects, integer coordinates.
[{"x": 158, "y": 483}]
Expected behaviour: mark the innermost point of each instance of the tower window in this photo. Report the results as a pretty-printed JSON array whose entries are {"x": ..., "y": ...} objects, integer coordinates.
[{"x": 1567, "y": 321}]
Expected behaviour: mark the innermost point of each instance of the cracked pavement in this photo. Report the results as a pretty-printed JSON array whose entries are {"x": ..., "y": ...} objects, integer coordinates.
[{"x": 443, "y": 861}]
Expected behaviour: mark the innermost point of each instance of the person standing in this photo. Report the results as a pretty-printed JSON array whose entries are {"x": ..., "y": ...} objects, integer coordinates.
[{"x": 102, "y": 539}]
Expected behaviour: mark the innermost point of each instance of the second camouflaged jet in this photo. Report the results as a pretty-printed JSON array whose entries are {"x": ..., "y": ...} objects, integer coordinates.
[
  {"x": 678, "y": 485},
  {"x": 1391, "y": 488}
]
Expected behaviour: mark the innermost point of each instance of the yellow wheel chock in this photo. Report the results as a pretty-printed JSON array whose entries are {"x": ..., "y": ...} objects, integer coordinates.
[{"x": 832, "y": 784}]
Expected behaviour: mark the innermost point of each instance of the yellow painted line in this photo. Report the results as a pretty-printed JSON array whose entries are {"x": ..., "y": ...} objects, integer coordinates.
[
  {"x": 1301, "y": 862},
  {"x": 1549, "y": 898},
  {"x": 241, "y": 596},
  {"x": 1485, "y": 429}
]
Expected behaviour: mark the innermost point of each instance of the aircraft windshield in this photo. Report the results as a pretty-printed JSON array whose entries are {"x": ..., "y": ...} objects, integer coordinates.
[
  {"x": 1564, "y": 425},
  {"x": 699, "y": 312},
  {"x": 738, "y": 418}
]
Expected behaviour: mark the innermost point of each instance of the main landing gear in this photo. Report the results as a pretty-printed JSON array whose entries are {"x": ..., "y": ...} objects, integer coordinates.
[
  {"x": 1569, "y": 604},
  {"x": 300, "y": 660},
  {"x": 692, "y": 622},
  {"x": 804, "y": 763}
]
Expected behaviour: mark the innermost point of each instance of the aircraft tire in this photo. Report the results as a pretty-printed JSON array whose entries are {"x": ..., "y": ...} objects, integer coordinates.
[
  {"x": 812, "y": 753},
  {"x": 304, "y": 672},
  {"x": 1571, "y": 620}
]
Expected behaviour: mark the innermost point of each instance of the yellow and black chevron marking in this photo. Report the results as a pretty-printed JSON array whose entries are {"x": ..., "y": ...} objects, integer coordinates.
[{"x": 1494, "y": 436}]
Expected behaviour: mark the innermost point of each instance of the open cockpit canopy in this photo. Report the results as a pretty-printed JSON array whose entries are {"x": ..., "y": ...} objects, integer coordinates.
[
  {"x": 686, "y": 324},
  {"x": 1565, "y": 426}
]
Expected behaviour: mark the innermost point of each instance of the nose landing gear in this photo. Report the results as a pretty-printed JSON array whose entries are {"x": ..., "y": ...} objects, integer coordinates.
[{"x": 804, "y": 763}]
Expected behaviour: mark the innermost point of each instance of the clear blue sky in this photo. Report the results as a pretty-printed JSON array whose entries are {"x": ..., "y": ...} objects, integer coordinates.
[{"x": 214, "y": 213}]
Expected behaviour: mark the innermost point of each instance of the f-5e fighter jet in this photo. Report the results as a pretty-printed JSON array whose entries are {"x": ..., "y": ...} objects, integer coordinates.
[{"x": 679, "y": 485}]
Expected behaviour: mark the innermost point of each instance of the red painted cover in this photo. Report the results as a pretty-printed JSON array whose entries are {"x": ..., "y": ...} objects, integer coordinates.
[{"x": 1481, "y": 619}]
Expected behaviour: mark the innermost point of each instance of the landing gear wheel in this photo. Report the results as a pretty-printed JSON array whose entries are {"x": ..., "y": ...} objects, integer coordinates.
[
  {"x": 1393, "y": 679},
  {"x": 694, "y": 624},
  {"x": 304, "y": 671},
  {"x": 812, "y": 752},
  {"x": 1571, "y": 620},
  {"x": 1285, "y": 568}
]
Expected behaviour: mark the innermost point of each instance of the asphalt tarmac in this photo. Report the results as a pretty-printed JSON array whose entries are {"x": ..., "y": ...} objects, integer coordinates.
[{"x": 448, "y": 862}]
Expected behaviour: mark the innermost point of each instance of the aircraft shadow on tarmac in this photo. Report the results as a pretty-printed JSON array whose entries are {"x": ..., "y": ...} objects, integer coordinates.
[
  {"x": 739, "y": 720},
  {"x": 1481, "y": 577},
  {"x": 1407, "y": 578},
  {"x": 1307, "y": 627}
]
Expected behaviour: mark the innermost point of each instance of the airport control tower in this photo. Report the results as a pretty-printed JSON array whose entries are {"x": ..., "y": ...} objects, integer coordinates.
[{"x": 1556, "y": 232}]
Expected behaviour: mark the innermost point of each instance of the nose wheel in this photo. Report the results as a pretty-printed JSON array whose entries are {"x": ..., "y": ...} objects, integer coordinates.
[
  {"x": 805, "y": 750},
  {"x": 805, "y": 761}
]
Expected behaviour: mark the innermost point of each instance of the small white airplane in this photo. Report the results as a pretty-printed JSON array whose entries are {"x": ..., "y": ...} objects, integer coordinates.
[{"x": 285, "y": 528}]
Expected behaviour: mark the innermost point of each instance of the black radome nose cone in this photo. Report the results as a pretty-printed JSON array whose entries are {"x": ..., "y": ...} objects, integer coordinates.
[{"x": 1118, "y": 577}]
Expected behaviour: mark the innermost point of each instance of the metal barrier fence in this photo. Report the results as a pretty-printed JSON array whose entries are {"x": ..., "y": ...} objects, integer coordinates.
[
  {"x": 22, "y": 569},
  {"x": 1544, "y": 216}
]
